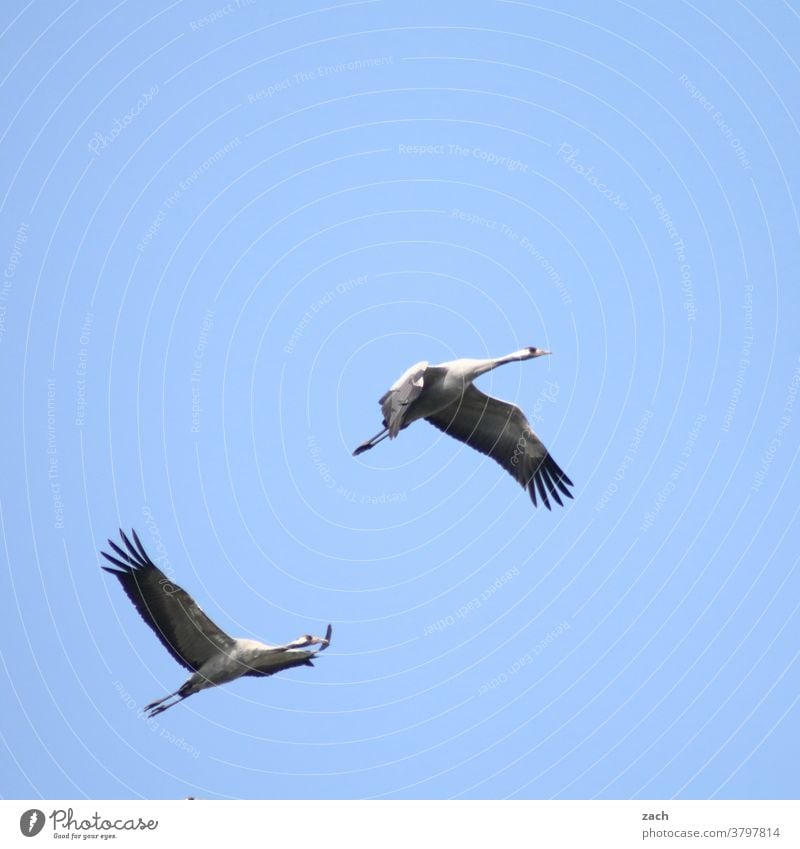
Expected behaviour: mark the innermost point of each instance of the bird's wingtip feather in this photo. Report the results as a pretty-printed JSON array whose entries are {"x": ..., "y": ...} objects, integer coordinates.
[
  {"x": 128, "y": 543},
  {"x": 122, "y": 567},
  {"x": 142, "y": 552}
]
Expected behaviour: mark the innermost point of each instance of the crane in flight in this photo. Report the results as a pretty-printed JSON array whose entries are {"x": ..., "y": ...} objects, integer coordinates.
[
  {"x": 190, "y": 636},
  {"x": 445, "y": 396}
]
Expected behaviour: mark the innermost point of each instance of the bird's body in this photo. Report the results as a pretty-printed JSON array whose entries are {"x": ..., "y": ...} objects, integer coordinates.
[
  {"x": 195, "y": 641},
  {"x": 445, "y": 396}
]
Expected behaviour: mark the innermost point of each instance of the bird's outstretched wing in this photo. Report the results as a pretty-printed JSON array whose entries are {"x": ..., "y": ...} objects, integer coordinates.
[
  {"x": 396, "y": 401},
  {"x": 185, "y": 631},
  {"x": 501, "y": 431}
]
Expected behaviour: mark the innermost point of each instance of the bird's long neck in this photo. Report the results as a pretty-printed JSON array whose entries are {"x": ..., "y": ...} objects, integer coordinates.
[{"x": 482, "y": 366}]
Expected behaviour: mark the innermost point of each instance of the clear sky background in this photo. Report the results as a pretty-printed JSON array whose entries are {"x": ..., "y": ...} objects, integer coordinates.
[{"x": 226, "y": 229}]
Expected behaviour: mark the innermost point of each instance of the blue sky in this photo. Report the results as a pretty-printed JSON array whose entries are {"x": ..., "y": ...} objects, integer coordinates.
[{"x": 227, "y": 229}]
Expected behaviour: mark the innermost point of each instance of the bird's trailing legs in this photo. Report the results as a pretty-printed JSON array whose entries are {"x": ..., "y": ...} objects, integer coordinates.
[
  {"x": 157, "y": 707},
  {"x": 371, "y": 443}
]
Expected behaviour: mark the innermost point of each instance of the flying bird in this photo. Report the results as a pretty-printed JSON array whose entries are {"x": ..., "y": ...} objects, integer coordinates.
[
  {"x": 190, "y": 636},
  {"x": 445, "y": 396}
]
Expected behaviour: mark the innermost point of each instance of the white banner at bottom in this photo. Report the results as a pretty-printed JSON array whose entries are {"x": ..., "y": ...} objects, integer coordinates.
[{"x": 402, "y": 824}]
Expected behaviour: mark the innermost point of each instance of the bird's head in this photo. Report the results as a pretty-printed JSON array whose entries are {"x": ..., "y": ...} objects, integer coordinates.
[
  {"x": 310, "y": 640},
  {"x": 537, "y": 352}
]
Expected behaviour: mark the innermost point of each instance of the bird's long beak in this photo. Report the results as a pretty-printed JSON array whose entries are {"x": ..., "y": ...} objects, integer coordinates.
[{"x": 322, "y": 642}]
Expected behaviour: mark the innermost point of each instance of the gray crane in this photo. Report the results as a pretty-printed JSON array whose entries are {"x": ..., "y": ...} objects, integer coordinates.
[
  {"x": 445, "y": 396},
  {"x": 190, "y": 636}
]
